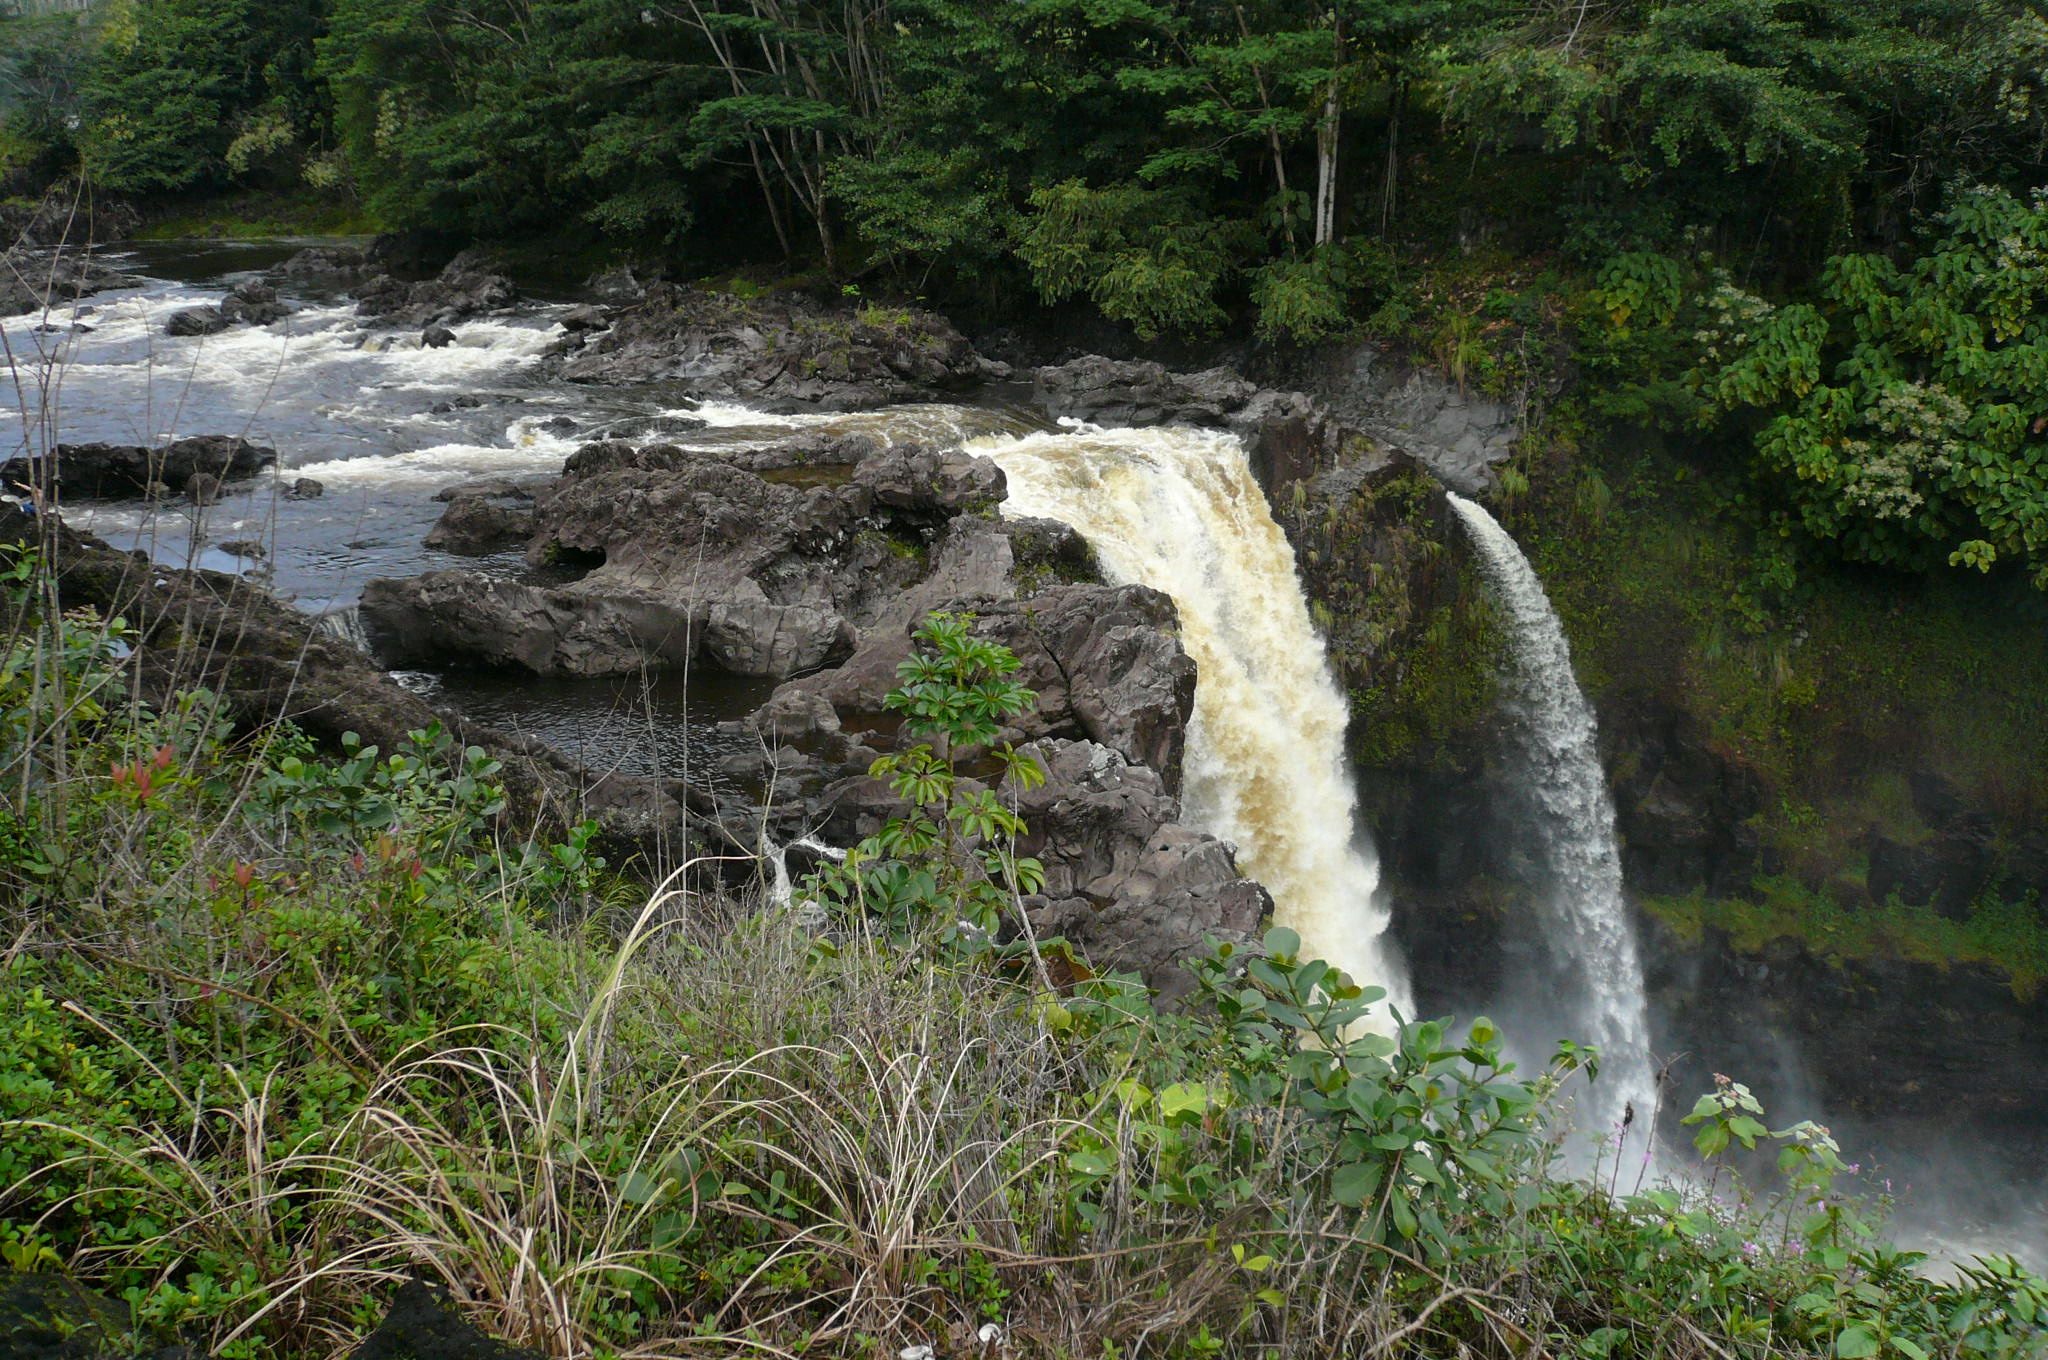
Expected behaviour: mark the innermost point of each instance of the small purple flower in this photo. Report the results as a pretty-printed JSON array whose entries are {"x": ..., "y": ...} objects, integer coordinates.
[{"x": 1752, "y": 1250}]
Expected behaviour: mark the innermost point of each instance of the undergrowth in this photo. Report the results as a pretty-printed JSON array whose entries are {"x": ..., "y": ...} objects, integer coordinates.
[{"x": 283, "y": 1027}]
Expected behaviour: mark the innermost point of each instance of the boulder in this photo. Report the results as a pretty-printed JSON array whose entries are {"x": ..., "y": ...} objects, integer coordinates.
[
  {"x": 617, "y": 287},
  {"x": 53, "y": 1317},
  {"x": 423, "y": 1325},
  {"x": 467, "y": 287},
  {"x": 1129, "y": 392},
  {"x": 500, "y": 488},
  {"x": 243, "y": 547},
  {"x": 783, "y": 350},
  {"x": 484, "y": 522},
  {"x": 197, "y": 321},
  {"x": 436, "y": 337},
  {"x": 1108, "y": 667},
  {"x": 203, "y": 488},
  {"x": 306, "y": 489},
  {"x": 95, "y": 471},
  {"x": 930, "y": 484},
  {"x": 326, "y": 268},
  {"x": 254, "y": 303},
  {"x": 1126, "y": 883}
]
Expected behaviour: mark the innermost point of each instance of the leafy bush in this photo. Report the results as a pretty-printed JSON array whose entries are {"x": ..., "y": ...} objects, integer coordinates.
[
  {"x": 302, "y": 1036},
  {"x": 1899, "y": 412}
]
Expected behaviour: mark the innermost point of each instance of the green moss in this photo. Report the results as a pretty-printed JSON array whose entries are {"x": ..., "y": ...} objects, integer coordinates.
[
  {"x": 1872, "y": 675},
  {"x": 2006, "y": 937},
  {"x": 898, "y": 545},
  {"x": 1417, "y": 656}
]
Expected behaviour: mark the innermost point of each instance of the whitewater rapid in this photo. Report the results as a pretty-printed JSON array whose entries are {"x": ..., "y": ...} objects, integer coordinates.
[
  {"x": 1586, "y": 929},
  {"x": 1179, "y": 510}
]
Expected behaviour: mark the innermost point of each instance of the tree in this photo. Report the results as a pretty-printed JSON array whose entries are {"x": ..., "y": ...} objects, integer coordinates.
[
  {"x": 176, "y": 82},
  {"x": 1811, "y": 120}
]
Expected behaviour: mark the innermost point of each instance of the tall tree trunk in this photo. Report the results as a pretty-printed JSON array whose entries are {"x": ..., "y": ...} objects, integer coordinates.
[
  {"x": 1273, "y": 143},
  {"x": 1327, "y": 131},
  {"x": 1390, "y": 184}
]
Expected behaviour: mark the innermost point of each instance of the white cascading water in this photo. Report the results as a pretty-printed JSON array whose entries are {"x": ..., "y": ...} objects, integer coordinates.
[
  {"x": 1585, "y": 917},
  {"x": 1179, "y": 510}
]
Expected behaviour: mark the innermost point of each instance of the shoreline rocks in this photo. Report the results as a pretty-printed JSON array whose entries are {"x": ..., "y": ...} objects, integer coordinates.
[
  {"x": 196, "y": 467},
  {"x": 34, "y": 277},
  {"x": 782, "y": 350}
]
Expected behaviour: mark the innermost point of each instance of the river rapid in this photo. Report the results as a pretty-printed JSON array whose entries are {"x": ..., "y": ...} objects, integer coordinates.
[{"x": 384, "y": 423}]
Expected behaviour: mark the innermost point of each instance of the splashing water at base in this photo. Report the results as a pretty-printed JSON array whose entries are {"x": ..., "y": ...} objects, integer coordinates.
[
  {"x": 1179, "y": 510},
  {"x": 1585, "y": 917}
]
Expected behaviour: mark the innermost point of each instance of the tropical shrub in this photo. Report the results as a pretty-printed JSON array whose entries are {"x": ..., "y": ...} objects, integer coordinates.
[{"x": 1898, "y": 415}]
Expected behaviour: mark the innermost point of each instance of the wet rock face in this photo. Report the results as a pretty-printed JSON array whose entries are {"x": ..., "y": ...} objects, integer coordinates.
[
  {"x": 1139, "y": 392},
  {"x": 1459, "y": 434},
  {"x": 782, "y": 350},
  {"x": 1125, "y": 882},
  {"x": 1290, "y": 436},
  {"x": 721, "y": 559},
  {"x": 1865, "y": 1039},
  {"x": 1107, "y": 665},
  {"x": 122, "y": 470},
  {"x": 1681, "y": 809}
]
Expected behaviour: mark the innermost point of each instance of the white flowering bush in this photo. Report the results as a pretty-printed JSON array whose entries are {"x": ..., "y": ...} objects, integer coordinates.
[{"x": 1902, "y": 413}]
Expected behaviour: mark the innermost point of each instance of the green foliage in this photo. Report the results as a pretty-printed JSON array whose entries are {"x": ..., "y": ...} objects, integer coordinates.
[
  {"x": 1141, "y": 255},
  {"x": 303, "y": 1034},
  {"x": 42, "y": 64},
  {"x": 1822, "y": 110},
  {"x": 188, "y": 94},
  {"x": 951, "y": 861},
  {"x": 1900, "y": 413}
]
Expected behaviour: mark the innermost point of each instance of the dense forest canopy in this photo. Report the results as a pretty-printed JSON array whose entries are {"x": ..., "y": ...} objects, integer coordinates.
[{"x": 1811, "y": 224}]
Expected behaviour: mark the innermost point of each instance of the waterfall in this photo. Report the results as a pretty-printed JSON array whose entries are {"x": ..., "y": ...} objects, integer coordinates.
[
  {"x": 1584, "y": 916},
  {"x": 345, "y": 624},
  {"x": 1179, "y": 510}
]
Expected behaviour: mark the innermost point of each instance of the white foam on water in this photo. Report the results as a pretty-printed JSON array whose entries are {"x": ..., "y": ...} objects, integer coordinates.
[{"x": 527, "y": 449}]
